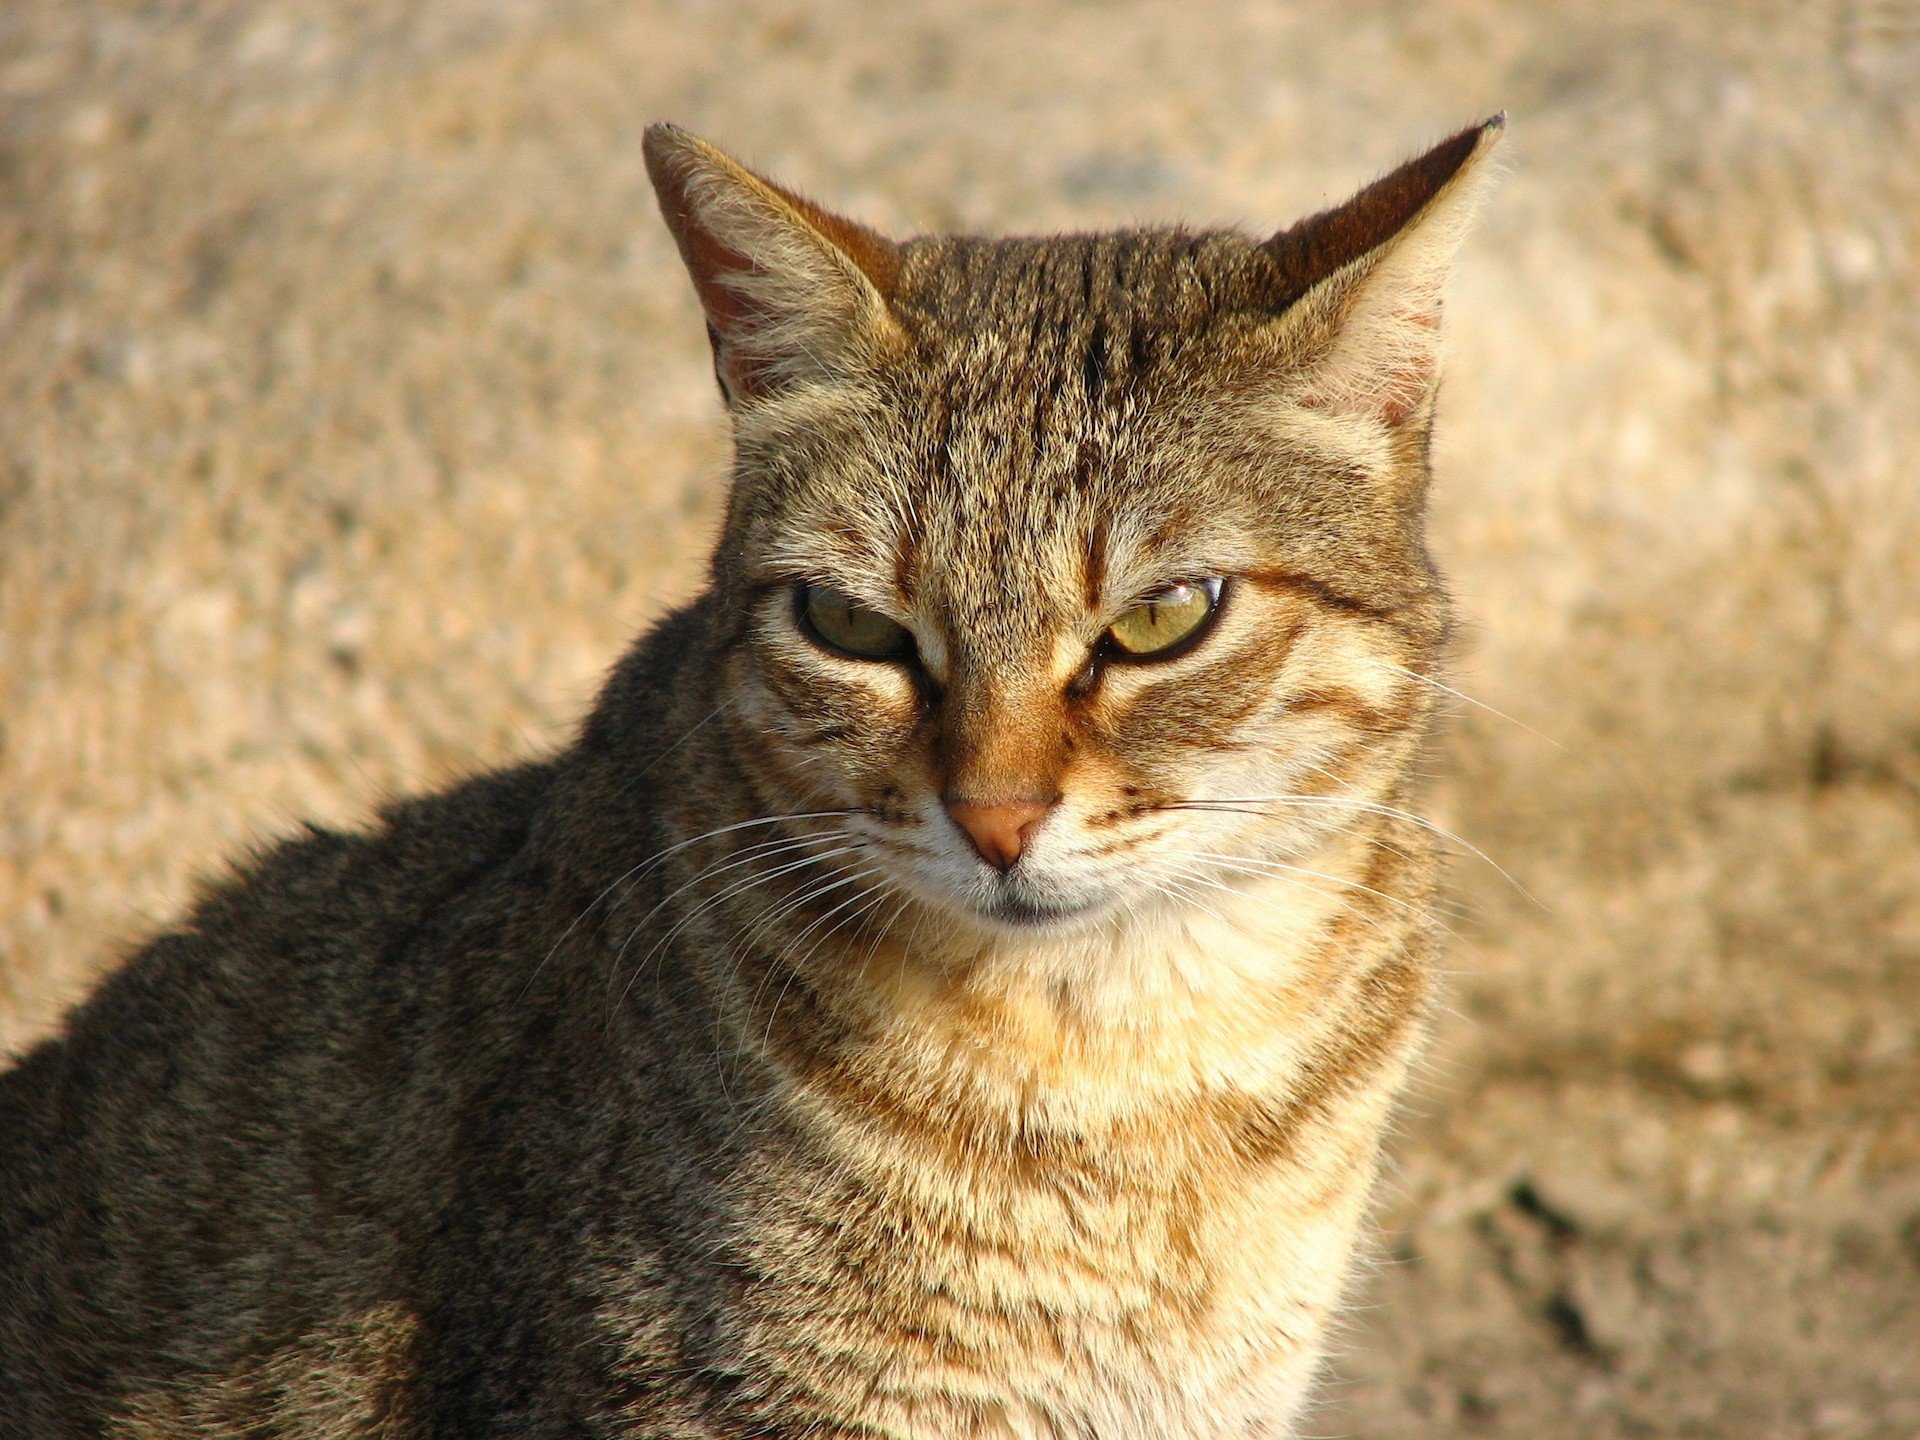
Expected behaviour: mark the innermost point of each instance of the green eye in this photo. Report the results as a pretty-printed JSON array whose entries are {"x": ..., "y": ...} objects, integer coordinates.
[
  {"x": 1166, "y": 620},
  {"x": 850, "y": 629}
]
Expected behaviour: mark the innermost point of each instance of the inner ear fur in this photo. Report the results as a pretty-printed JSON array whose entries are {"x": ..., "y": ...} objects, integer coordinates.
[
  {"x": 1359, "y": 285},
  {"x": 791, "y": 291}
]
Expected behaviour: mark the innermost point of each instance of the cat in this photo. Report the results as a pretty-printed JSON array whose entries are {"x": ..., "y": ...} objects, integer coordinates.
[{"x": 956, "y": 980}]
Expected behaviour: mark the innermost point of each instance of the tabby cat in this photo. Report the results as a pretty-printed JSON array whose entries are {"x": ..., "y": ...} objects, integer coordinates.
[{"x": 953, "y": 985}]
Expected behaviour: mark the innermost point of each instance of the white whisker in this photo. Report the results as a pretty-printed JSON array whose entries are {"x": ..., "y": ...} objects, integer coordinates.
[
  {"x": 1462, "y": 696},
  {"x": 1372, "y": 807},
  {"x": 872, "y": 898},
  {"x": 1252, "y": 865},
  {"x": 732, "y": 890},
  {"x": 661, "y": 855}
]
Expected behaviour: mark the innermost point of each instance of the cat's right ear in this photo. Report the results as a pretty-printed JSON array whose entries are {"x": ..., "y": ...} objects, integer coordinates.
[{"x": 792, "y": 293}]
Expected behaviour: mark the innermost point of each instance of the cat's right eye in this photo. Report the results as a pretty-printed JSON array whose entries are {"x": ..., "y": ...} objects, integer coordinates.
[{"x": 838, "y": 624}]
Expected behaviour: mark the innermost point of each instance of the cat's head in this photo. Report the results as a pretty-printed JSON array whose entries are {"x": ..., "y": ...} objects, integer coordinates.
[{"x": 1083, "y": 570}]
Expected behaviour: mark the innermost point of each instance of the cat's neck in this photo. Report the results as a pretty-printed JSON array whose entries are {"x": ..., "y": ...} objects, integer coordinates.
[
  {"x": 1225, "y": 996},
  {"x": 1156, "y": 1143}
]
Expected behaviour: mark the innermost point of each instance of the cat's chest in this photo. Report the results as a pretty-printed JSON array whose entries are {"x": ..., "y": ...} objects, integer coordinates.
[
  {"x": 1015, "y": 1228},
  {"x": 1033, "y": 1313}
]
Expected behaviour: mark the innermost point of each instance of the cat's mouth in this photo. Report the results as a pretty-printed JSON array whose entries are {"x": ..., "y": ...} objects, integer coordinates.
[
  {"x": 1028, "y": 914},
  {"x": 1021, "y": 899},
  {"x": 1013, "y": 903}
]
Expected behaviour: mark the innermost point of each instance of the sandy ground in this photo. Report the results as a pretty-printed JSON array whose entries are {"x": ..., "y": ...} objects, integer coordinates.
[{"x": 353, "y": 414}]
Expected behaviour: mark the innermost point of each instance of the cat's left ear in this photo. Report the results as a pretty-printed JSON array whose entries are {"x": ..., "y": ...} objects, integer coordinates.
[
  {"x": 792, "y": 293},
  {"x": 1361, "y": 283}
]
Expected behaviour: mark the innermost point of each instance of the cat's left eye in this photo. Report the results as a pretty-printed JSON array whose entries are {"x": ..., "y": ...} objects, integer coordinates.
[
  {"x": 847, "y": 628},
  {"x": 1165, "y": 623}
]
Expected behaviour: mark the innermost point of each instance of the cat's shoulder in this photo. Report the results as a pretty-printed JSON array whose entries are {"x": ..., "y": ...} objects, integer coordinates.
[
  {"x": 417, "y": 851},
  {"x": 301, "y": 914}
]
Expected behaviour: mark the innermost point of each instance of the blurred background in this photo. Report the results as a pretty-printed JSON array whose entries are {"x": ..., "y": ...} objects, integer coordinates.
[{"x": 354, "y": 413}]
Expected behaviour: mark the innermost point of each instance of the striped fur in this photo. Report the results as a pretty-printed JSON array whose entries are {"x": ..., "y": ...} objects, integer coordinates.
[
  {"x": 1099, "y": 1177},
  {"x": 703, "y": 1081}
]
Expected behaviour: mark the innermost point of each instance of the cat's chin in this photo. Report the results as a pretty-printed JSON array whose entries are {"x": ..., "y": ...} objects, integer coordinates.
[
  {"x": 1009, "y": 912},
  {"x": 1026, "y": 916}
]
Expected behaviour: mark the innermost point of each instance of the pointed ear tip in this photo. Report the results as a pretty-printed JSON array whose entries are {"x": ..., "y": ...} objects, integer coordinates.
[
  {"x": 669, "y": 148},
  {"x": 661, "y": 134},
  {"x": 1488, "y": 133},
  {"x": 661, "y": 143},
  {"x": 1472, "y": 150}
]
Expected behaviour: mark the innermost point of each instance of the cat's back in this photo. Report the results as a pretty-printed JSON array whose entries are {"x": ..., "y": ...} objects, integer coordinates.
[
  {"x": 216, "y": 1127},
  {"x": 278, "y": 952}
]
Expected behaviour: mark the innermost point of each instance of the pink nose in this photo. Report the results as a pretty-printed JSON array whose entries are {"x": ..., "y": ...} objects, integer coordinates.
[{"x": 998, "y": 829}]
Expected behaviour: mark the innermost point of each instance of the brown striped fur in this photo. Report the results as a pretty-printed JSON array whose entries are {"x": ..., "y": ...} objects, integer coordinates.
[
  {"x": 1098, "y": 1176},
  {"x": 704, "y": 1080},
  {"x": 347, "y": 1381}
]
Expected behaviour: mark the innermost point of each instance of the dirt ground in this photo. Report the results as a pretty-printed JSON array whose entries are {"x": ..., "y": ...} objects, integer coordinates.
[{"x": 353, "y": 414}]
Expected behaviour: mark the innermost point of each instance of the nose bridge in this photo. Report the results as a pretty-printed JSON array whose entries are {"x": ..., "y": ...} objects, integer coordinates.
[{"x": 1003, "y": 734}]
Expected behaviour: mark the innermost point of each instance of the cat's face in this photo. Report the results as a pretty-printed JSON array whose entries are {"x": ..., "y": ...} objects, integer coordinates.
[
  {"x": 1076, "y": 575},
  {"x": 1065, "y": 638}
]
